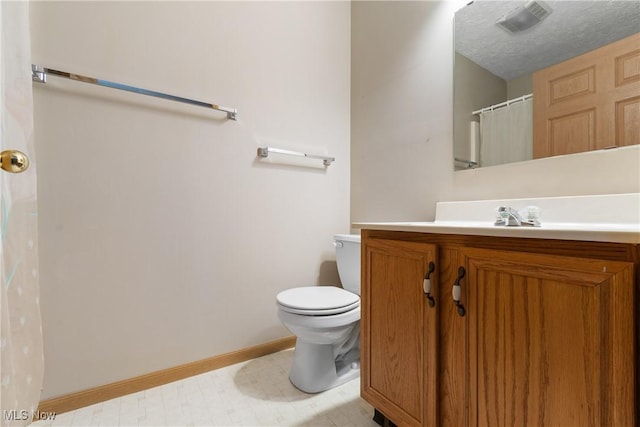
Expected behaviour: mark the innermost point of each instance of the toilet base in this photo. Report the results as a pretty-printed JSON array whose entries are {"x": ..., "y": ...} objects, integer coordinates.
[{"x": 314, "y": 368}]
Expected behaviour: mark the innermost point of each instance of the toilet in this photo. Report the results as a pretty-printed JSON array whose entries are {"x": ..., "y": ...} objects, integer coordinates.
[{"x": 326, "y": 323}]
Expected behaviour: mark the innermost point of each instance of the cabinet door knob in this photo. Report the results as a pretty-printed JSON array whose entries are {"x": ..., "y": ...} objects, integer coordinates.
[
  {"x": 456, "y": 291},
  {"x": 426, "y": 285}
]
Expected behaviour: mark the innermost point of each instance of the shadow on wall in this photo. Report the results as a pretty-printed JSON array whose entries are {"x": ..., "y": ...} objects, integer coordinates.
[{"x": 328, "y": 274}]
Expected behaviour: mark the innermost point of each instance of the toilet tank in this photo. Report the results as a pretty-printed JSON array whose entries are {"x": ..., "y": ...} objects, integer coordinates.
[{"x": 348, "y": 260}]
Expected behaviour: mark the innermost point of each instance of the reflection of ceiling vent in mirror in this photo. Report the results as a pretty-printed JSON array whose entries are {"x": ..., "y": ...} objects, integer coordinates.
[{"x": 523, "y": 18}]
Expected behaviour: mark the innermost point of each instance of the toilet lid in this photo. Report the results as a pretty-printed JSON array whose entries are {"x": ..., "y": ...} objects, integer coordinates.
[{"x": 317, "y": 300}]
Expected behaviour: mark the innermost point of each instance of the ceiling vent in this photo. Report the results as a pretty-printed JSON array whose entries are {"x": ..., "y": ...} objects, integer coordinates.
[{"x": 523, "y": 18}]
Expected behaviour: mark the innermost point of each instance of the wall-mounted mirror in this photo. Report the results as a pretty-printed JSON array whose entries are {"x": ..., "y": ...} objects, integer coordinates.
[{"x": 501, "y": 47}]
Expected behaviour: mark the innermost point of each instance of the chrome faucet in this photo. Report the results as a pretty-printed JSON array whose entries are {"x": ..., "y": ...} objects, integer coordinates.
[{"x": 511, "y": 218}]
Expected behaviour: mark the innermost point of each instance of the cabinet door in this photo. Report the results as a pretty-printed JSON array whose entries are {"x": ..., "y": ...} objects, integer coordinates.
[
  {"x": 550, "y": 340},
  {"x": 398, "y": 330}
]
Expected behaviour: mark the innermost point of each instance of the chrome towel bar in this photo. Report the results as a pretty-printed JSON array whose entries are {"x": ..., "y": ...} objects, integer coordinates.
[
  {"x": 39, "y": 74},
  {"x": 264, "y": 152}
]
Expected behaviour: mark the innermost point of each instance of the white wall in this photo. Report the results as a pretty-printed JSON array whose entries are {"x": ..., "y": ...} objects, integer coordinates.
[
  {"x": 402, "y": 128},
  {"x": 474, "y": 88},
  {"x": 401, "y": 115},
  {"x": 520, "y": 86},
  {"x": 163, "y": 239}
]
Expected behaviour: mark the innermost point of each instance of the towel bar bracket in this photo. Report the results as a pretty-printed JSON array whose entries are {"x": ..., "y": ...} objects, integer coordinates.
[{"x": 38, "y": 74}]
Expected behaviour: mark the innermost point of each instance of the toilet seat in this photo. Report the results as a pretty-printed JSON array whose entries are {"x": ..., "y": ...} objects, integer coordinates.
[{"x": 317, "y": 300}]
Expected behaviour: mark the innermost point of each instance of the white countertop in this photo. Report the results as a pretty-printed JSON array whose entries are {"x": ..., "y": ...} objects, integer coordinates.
[
  {"x": 595, "y": 232},
  {"x": 600, "y": 218}
]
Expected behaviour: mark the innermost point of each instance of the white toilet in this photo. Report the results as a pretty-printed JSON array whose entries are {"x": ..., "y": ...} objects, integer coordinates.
[{"x": 326, "y": 322}]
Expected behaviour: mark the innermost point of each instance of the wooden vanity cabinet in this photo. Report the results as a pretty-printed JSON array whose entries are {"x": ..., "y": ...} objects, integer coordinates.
[
  {"x": 550, "y": 340},
  {"x": 548, "y": 337},
  {"x": 397, "y": 349}
]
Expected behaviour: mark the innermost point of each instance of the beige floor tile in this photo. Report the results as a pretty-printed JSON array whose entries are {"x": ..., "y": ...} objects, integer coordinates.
[{"x": 252, "y": 393}]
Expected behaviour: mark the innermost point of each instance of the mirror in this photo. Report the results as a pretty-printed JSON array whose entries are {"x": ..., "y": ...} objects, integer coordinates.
[{"x": 494, "y": 66}]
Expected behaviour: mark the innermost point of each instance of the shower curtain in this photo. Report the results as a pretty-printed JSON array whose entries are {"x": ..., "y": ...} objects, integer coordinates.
[
  {"x": 21, "y": 356},
  {"x": 506, "y": 134}
]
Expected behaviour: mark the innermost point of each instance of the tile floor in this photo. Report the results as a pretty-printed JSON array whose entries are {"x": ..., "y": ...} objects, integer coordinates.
[{"x": 252, "y": 393}]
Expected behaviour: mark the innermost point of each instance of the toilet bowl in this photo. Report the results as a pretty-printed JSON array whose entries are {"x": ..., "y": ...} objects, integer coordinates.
[{"x": 326, "y": 323}]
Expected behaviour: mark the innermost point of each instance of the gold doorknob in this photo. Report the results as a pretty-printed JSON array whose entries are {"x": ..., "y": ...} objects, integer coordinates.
[{"x": 14, "y": 161}]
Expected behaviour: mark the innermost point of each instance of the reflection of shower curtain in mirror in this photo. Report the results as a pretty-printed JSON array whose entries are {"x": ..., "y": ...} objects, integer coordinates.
[{"x": 506, "y": 134}]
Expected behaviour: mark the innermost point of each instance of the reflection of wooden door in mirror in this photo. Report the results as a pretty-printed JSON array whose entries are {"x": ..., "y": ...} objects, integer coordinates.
[{"x": 589, "y": 102}]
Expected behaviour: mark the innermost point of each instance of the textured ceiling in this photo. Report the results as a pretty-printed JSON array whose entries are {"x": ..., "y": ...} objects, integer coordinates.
[{"x": 572, "y": 28}]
